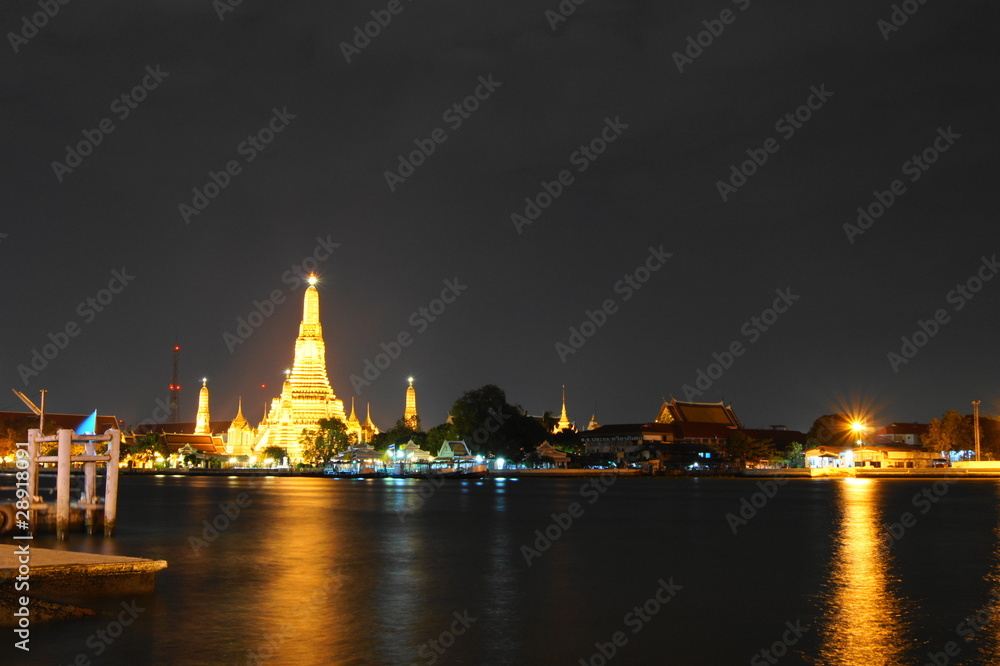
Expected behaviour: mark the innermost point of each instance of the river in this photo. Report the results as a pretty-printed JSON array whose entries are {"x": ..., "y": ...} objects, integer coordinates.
[{"x": 547, "y": 571}]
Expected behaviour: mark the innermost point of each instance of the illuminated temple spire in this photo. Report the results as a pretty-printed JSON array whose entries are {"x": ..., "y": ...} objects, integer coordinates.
[
  {"x": 369, "y": 429},
  {"x": 202, "y": 422},
  {"x": 564, "y": 422},
  {"x": 240, "y": 421},
  {"x": 354, "y": 426},
  {"x": 410, "y": 417},
  {"x": 306, "y": 396}
]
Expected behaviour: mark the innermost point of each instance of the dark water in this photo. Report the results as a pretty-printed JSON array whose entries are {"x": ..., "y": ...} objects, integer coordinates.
[{"x": 325, "y": 571}]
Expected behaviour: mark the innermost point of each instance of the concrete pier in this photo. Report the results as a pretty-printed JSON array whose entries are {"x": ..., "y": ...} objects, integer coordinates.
[{"x": 66, "y": 584}]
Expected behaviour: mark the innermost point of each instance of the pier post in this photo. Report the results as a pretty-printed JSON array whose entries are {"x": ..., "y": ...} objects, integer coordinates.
[
  {"x": 62, "y": 483},
  {"x": 89, "y": 486},
  {"x": 111, "y": 481},
  {"x": 33, "y": 466}
]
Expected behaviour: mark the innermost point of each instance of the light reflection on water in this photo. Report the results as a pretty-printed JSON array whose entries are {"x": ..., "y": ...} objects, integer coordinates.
[
  {"x": 323, "y": 571},
  {"x": 865, "y": 621}
]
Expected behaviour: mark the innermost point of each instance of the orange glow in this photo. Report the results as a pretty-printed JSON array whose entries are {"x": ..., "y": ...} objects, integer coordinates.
[
  {"x": 866, "y": 621},
  {"x": 859, "y": 411}
]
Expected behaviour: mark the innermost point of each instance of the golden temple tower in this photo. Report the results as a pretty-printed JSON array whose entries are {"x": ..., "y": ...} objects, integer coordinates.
[
  {"x": 354, "y": 426},
  {"x": 564, "y": 422},
  {"x": 369, "y": 429},
  {"x": 306, "y": 396},
  {"x": 202, "y": 422},
  {"x": 410, "y": 417}
]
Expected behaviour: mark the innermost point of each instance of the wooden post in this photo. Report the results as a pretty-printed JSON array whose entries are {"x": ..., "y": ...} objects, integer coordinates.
[
  {"x": 33, "y": 466},
  {"x": 89, "y": 486},
  {"x": 62, "y": 483},
  {"x": 111, "y": 481}
]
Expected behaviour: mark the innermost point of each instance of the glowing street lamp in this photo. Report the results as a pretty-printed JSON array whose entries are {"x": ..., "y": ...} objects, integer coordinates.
[{"x": 859, "y": 431}]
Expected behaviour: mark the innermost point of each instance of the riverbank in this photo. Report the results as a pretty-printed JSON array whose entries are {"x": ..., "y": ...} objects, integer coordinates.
[
  {"x": 788, "y": 472},
  {"x": 877, "y": 473}
]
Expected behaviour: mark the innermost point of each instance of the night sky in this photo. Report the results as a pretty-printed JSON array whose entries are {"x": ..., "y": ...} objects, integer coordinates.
[{"x": 880, "y": 96}]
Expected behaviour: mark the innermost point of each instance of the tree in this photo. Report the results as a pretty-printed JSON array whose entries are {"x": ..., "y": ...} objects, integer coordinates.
[
  {"x": 549, "y": 421},
  {"x": 398, "y": 435},
  {"x": 275, "y": 453},
  {"x": 951, "y": 432},
  {"x": 567, "y": 441},
  {"x": 15, "y": 430},
  {"x": 8, "y": 445},
  {"x": 989, "y": 436},
  {"x": 437, "y": 436},
  {"x": 485, "y": 421},
  {"x": 147, "y": 448},
  {"x": 741, "y": 450},
  {"x": 830, "y": 430},
  {"x": 322, "y": 445},
  {"x": 795, "y": 455}
]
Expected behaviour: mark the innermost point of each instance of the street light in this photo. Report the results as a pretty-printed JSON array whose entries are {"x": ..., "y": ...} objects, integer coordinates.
[
  {"x": 859, "y": 429},
  {"x": 859, "y": 432}
]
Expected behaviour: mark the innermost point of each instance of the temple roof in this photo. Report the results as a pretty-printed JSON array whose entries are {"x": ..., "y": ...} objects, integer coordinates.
[
  {"x": 698, "y": 412},
  {"x": 177, "y": 427},
  {"x": 454, "y": 449},
  {"x": 201, "y": 443},
  {"x": 546, "y": 449},
  {"x": 66, "y": 421}
]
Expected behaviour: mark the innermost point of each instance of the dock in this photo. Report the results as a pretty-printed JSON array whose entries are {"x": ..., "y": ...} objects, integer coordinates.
[{"x": 67, "y": 584}]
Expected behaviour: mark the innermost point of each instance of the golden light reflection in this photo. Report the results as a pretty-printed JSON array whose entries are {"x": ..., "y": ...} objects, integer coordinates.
[
  {"x": 864, "y": 624},
  {"x": 307, "y": 587}
]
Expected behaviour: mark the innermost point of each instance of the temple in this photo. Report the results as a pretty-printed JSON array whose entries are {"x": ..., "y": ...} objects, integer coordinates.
[
  {"x": 698, "y": 412},
  {"x": 410, "y": 417},
  {"x": 361, "y": 433},
  {"x": 202, "y": 421},
  {"x": 240, "y": 437},
  {"x": 306, "y": 395},
  {"x": 564, "y": 422},
  {"x": 368, "y": 428}
]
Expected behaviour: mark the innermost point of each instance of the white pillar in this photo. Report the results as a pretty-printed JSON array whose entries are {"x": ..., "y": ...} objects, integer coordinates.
[
  {"x": 89, "y": 486},
  {"x": 32, "y": 465},
  {"x": 62, "y": 483},
  {"x": 111, "y": 482}
]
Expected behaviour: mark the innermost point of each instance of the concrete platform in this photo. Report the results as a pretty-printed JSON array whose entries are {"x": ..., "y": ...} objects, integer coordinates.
[{"x": 67, "y": 584}]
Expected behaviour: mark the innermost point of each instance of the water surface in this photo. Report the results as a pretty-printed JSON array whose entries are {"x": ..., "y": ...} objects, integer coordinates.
[{"x": 334, "y": 571}]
